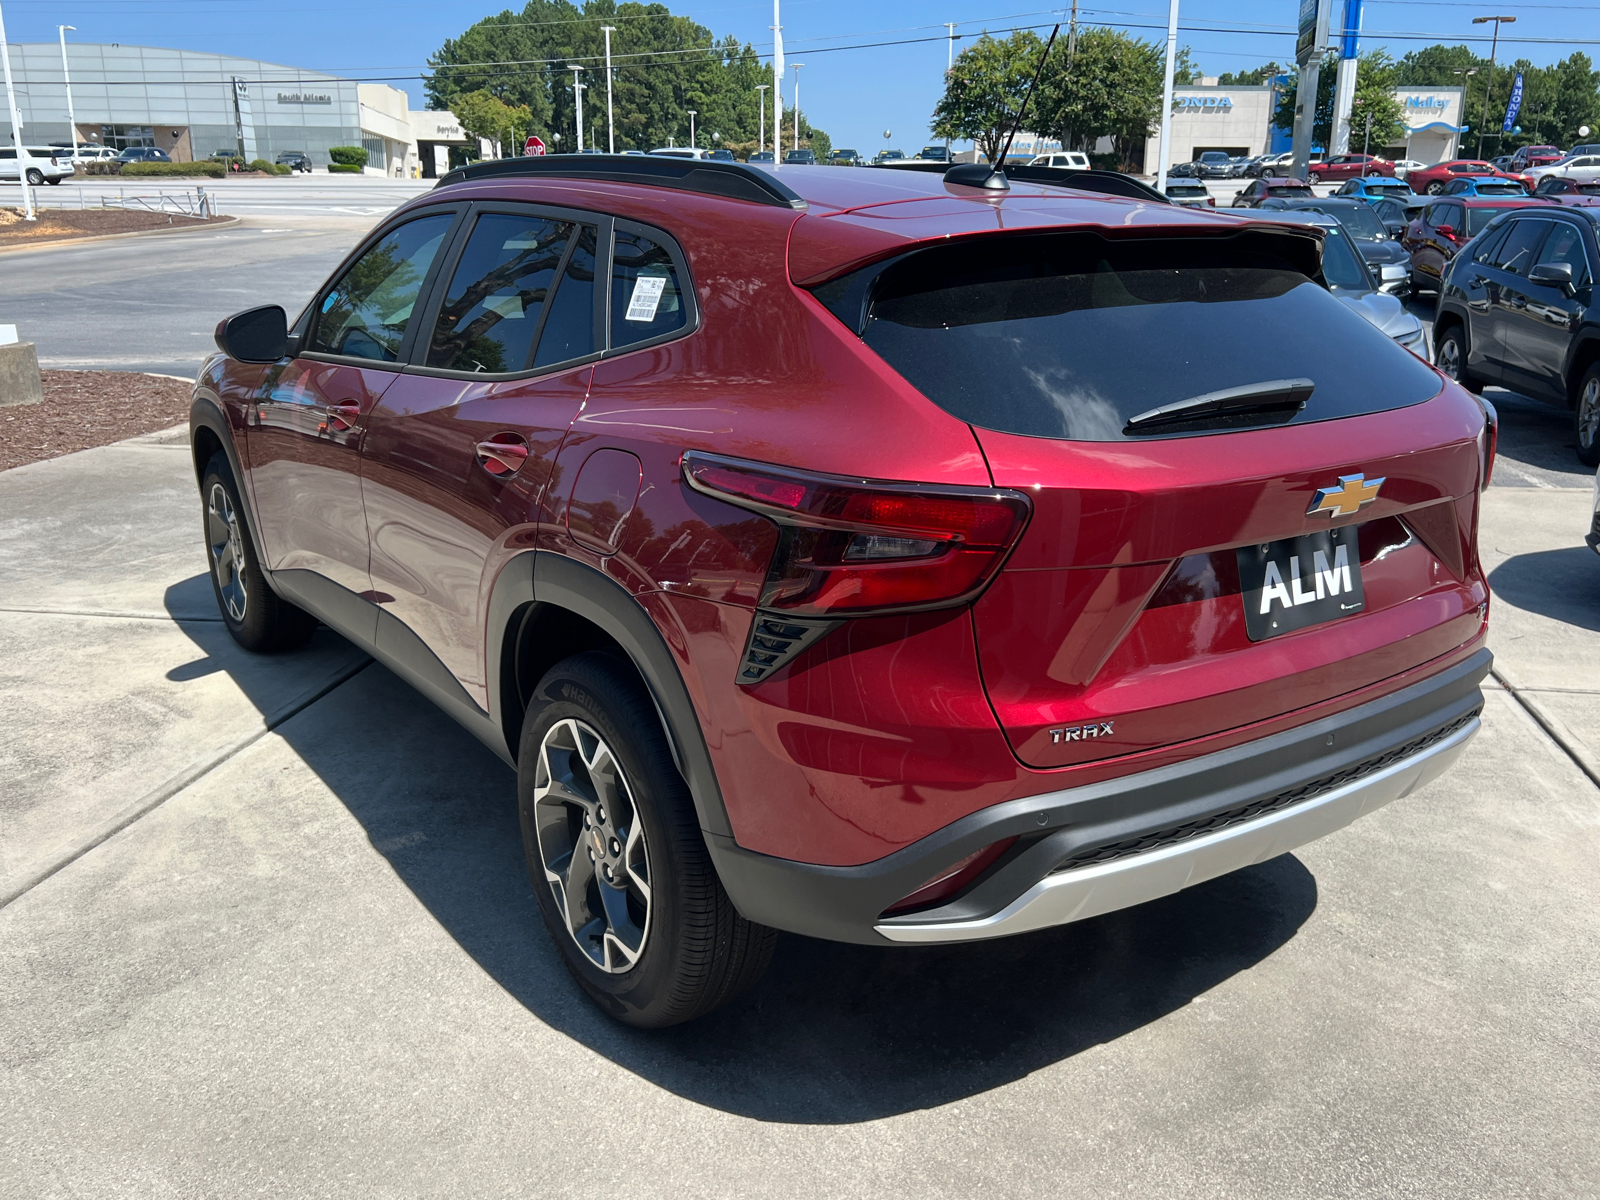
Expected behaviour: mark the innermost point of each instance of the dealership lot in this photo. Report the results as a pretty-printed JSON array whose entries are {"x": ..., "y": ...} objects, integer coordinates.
[{"x": 266, "y": 925}]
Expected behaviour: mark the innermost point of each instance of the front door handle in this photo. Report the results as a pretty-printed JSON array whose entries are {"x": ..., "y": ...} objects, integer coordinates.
[
  {"x": 503, "y": 454},
  {"x": 342, "y": 416}
]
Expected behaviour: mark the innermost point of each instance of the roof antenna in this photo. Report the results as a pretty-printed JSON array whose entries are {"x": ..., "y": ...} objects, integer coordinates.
[{"x": 992, "y": 175}]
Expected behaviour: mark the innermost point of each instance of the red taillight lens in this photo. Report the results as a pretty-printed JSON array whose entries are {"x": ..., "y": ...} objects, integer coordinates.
[
  {"x": 854, "y": 546},
  {"x": 952, "y": 879},
  {"x": 1491, "y": 439}
]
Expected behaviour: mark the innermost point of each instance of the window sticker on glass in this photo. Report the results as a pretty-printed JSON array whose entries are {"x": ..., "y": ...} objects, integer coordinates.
[{"x": 646, "y": 298}]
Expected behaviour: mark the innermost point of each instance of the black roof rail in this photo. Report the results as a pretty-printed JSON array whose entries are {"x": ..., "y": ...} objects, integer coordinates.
[
  {"x": 730, "y": 180},
  {"x": 1110, "y": 183}
]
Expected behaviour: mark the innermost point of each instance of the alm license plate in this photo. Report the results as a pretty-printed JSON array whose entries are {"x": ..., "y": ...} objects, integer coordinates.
[{"x": 1300, "y": 581}]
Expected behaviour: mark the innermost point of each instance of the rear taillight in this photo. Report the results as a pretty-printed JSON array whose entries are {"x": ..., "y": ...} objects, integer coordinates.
[
  {"x": 1489, "y": 441},
  {"x": 852, "y": 546}
]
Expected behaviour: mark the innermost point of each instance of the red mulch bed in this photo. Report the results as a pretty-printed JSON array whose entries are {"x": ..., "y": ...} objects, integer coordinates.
[
  {"x": 90, "y": 408},
  {"x": 67, "y": 224}
]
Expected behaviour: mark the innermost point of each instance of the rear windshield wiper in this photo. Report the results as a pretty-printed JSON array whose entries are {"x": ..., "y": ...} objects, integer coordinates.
[{"x": 1273, "y": 402}]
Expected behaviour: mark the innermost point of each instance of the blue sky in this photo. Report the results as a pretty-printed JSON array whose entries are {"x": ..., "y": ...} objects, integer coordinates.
[{"x": 855, "y": 94}]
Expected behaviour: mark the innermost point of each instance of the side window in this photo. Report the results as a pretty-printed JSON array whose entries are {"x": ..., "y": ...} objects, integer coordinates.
[
  {"x": 367, "y": 312},
  {"x": 1516, "y": 252},
  {"x": 1565, "y": 245},
  {"x": 1447, "y": 214},
  {"x": 646, "y": 295},
  {"x": 569, "y": 329},
  {"x": 1484, "y": 253},
  {"x": 491, "y": 309}
]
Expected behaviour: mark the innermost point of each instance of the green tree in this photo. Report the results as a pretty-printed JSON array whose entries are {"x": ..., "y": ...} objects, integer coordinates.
[
  {"x": 984, "y": 89},
  {"x": 1111, "y": 87},
  {"x": 1255, "y": 77},
  {"x": 1556, "y": 100},
  {"x": 484, "y": 115},
  {"x": 1375, "y": 80}
]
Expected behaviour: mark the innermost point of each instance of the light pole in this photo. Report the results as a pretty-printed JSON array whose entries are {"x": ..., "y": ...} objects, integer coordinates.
[
  {"x": 611, "y": 126},
  {"x": 1164, "y": 145},
  {"x": 1466, "y": 74},
  {"x": 949, "y": 65},
  {"x": 692, "y": 114},
  {"x": 761, "y": 99},
  {"x": 1488, "y": 83},
  {"x": 66, "y": 78},
  {"x": 577, "y": 100},
  {"x": 797, "y": 67},
  {"x": 777, "y": 83},
  {"x": 16, "y": 126}
]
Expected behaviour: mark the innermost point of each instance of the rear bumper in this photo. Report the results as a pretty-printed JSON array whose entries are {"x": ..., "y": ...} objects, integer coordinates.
[{"x": 1090, "y": 850}]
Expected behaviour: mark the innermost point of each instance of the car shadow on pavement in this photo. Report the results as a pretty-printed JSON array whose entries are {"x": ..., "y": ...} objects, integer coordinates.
[
  {"x": 834, "y": 1033},
  {"x": 1559, "y": 584}
]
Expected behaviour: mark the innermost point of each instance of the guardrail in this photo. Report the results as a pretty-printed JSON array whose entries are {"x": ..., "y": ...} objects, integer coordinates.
[{"x": 196, "y": 202}]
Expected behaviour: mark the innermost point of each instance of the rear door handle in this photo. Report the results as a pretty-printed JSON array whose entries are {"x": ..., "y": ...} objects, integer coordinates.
[
  {"x": 503, "y": 454},
  {"x": 342, "y": 416}
]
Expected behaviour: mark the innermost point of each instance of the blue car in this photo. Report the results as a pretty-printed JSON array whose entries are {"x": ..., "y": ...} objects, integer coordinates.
[
  {"x": 1484, "y": 187},
  {"x": 1377, "y": 188}
]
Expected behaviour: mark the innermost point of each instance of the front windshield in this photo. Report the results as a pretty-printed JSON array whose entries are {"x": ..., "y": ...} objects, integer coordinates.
[
  {"x": 1341, "y": 265},
  {"x": 1361, "y": 221}
]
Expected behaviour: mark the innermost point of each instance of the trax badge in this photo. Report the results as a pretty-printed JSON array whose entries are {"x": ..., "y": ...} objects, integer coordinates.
[
  {"x": 1076, "y": 733},
  {"x": 1354, "y": 493}
]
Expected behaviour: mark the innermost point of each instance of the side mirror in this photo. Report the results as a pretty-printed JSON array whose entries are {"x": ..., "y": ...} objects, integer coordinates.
[
  {"x": 257, "y": 335},
  {"x": 1556, "y": 274}
]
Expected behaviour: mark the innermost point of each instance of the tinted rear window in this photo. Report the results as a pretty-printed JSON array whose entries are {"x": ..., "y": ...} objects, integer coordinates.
[{"x": 1069, "y": 335}]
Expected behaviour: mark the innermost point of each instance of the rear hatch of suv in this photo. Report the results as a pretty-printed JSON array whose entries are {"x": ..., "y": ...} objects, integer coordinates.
[{"x": 1246, "y": 500}]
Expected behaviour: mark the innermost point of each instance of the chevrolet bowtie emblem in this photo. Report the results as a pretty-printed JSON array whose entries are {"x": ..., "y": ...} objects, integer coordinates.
[{"x": 1353, "y": 494}]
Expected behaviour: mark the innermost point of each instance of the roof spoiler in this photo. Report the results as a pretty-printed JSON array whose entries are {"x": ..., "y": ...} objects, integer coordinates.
[{"x": 1110, "y": 183}]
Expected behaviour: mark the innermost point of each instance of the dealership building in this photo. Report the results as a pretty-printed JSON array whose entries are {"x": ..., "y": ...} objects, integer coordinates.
[
  {"x": 1238, "y": 121},
  {"x": 192, "y": 105}
]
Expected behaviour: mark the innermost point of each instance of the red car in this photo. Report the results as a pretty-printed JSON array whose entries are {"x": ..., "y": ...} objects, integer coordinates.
[
  {"x": 1535, "y": 156},
  {"x": 1265, "y": 187},
  {"x": 855, "y": 553},
  {"x": 1349, "y": 166},
  {"x": 1431, "y": 180},
  {"x": 1440, "y": 228}
]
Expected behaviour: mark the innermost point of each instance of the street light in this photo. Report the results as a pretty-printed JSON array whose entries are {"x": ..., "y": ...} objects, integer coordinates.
[
  {"x": 761, "y": 99},
  {"x": 1488, "y": 83},
  {"x": 72, "y": 119},
  {"x": 577, "y": 100},
  {"x": 611, "y": 127},
  {"x": 692, "y": 114},
  {"x": 797, "y": 67}
]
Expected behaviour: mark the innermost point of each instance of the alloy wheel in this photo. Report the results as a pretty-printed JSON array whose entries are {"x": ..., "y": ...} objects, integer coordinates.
[
  {"x": 226, "y": 540},
  {"x": 592, "y": 845},
  {"x": 1589, "y": 414},
  {"x": 1450, "y": 358}
]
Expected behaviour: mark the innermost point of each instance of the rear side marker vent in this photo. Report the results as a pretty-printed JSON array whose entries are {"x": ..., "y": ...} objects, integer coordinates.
[{"x": 774, "y": 643}]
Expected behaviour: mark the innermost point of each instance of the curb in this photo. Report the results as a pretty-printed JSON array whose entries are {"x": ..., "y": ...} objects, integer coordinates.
[{"x": 225, "y": 223}]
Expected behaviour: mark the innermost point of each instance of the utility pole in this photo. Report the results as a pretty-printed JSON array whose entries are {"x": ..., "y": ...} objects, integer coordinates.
[
  {"x": 1165, "y": 143},
  {"x": 66, "y": 78},
  {"x": 611, "y": 124},
  {"x": 577, "y": 100},
  {"x": 777, "y": 83},
  {"x": 1488, "y": 83},
  {"x": 797, "y": 67},
  {"x": 949, "y": 66},
  {"x": 16, "y": 126},
  {"x": 692, "y": 114},
  {"x": 761, "y": 100}
]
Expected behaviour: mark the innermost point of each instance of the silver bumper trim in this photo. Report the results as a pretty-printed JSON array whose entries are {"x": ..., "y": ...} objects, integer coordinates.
[{"x": 1124, "y": 882}]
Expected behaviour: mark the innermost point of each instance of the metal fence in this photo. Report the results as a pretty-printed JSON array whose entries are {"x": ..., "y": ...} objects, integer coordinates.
[{"x": 191, "y": 202}]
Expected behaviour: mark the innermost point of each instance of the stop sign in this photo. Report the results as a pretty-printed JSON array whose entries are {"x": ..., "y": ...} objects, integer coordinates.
[{"x": 533, "y": 147}]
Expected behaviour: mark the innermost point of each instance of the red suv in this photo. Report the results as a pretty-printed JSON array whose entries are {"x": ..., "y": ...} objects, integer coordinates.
[
  {"x": 856, "y": 553},
  {"x": 1440, "y": 228},
  {"x": 1350, "y": 166}
]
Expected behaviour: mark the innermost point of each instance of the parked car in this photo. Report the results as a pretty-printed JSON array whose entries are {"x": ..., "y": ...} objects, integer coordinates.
[
  {"x": 1441, "y": 227},
  {"x": 1395, "y": 215},
  {"x": 1558, "y": 187},
  {"x": 37, "y": 164},
  {"x": 934, "y": 154},
  {"x": 761, "y": 156},
  {"x": 883, "y": 156},
  {"x": 295, "y": 159},
  {"x": 1190, "y": 194},
  {"x": 1404, "y": 167},
  {"x": 900, "y": 642},
  {"x": 1266, "y": 185},
  {"x": 722, "y": 154},
  {"x": 1074, "y": 160},
  {"x": 1212, "y": 164},
  {"x": 800, "y": 158},
  {"x": 681, "y": 152},
  {"x": 1272, "y": 165},
  {"x": 1377, "y": 188},
  {"x": 1518, "y": 309},
  {"x": 1592, "y": 538},
  {"x": 1348, "y": 276},
  {"x": 1349, "y": 166},
  {"x": 845, "y": 158},
  {"x": 1389, "y": 260},
  {"x": 143, "y": 154},
  {"x": 1184, "y": 170},
  {"x": 1466, "y": 186},
  {"x": 1581, "y": 168},
  {"x": 1529, "y": 157},
  {"x": 1501, "y": 162},
  {"x": 1432, "y": 180}
]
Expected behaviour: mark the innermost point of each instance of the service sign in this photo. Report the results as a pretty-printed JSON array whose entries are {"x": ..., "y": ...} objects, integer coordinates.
[{"x": 1313, "y": 32}]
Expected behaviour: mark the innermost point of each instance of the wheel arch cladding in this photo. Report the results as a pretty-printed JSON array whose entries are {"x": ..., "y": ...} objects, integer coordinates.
[{"x": 1585, "y": 353}]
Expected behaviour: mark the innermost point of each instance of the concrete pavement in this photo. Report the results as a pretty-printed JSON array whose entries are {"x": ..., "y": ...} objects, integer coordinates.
[{"x": 311, "y": 964}]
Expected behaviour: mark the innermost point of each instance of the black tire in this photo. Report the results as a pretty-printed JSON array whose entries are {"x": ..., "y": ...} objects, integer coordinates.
[
  {"x": 35, "y": 177},
  {"x": 1313, "y": 178},
  {"x": 1586, "y": 417},
  {"x": 1450, "y": 356},
  {"x": 257, "y": 617},
  {"x": 693, "y": 951},
  {"x": 54, "y": 179},
  {"x": 1435, "y": 188}
]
